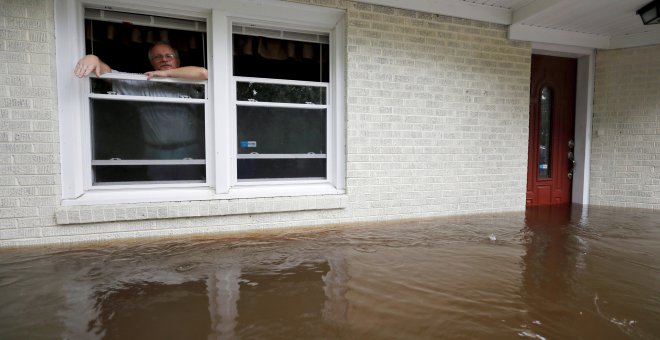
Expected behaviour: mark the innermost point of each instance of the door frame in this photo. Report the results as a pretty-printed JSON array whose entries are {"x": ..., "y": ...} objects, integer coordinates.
[{"x": 586, "y": 60}]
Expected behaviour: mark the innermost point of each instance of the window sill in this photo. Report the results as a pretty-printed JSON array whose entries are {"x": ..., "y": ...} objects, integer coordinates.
[{"x": 135, "y": 205}]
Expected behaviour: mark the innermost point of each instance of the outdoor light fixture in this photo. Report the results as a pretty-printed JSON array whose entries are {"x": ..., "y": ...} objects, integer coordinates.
[{"x": 650, "y": 13}]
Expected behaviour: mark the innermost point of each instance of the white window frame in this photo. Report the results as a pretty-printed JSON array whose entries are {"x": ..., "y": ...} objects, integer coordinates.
[
  {"x": 134, "y": 98},
  {"x": 220, "y": 121},
  {"x": 236, "y": 103}
]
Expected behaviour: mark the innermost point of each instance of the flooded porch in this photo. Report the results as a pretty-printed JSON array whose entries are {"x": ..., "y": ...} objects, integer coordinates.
[{"x": 548, "y": 273}]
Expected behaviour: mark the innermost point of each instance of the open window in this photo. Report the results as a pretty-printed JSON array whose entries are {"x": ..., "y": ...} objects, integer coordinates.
[
  {"x": 269, "y": 121},
  {"x": 145, "y": 131}
]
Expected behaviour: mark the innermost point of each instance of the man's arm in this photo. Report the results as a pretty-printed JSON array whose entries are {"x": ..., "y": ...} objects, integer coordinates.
[
  {"x": 186, "y": 72},
  {"x": 90, "y": 63}
]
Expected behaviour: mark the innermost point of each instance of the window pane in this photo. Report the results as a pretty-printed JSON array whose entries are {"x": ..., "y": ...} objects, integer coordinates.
[
  {"x": 276, "y": 93},
  {"x": 125, "y": 46},
  {"x": 146, "y": 130},
  {"x": 130, "y": 140},
  {"x": 268, "y": 130},
  {"x": 545, "y": 132},
  {"x": 146, "y": 88},
  {"x": 281, "y": 168},
  {"x": 105, "y": 174},
  {"x": 264, "y": 57}
]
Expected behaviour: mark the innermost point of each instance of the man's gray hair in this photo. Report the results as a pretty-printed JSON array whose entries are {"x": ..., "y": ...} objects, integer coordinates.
[{"x": 162, "y": 42}]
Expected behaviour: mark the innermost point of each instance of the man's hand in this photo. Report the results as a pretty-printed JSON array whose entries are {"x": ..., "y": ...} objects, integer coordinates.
[
  {"x": 159, "y": 73},
  {"x": 88, "y": 64}
]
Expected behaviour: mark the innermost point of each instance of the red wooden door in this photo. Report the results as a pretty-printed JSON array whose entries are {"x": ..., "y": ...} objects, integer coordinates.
[{"x": 551, "y": 130}]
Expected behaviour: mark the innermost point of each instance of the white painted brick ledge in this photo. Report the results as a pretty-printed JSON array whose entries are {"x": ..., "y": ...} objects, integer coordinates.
[{"x": 156, "y": 211}]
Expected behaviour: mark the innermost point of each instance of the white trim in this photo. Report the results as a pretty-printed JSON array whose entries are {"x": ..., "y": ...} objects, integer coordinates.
[
  {"x": 119, "y": 195},
  {"x": 281, "y": 12},
  {"x": 110, "y": 187},
  {"x": 651, "y": 37},
  {"x": 278, "y": 181},
  {"x": 131, "y": 98},
  {"x": 141, "y": 76},
  {"x": 220, "y": 37},
  {"x": 265, "y": 30},
  {"x": 554, "y": 36},
  {"x": 533, "y": 10},
  {"x": 454, "y": 8},
  {"x": 171, "y": 9},
  {"x": 280, "y": 81},
  {"x": 581, "y": 43},
  {"x": 69, "y": 101},
  {"x": 122, "y": 162},
  {"x": 281, "y": 156},
  {"x": 282, "y": 105},
  {"x": 119, "y": 15},
  {"x": 561, "y": 50},
  {"x": 583, "y": 128},
  {"x": 337, "y": 96}
]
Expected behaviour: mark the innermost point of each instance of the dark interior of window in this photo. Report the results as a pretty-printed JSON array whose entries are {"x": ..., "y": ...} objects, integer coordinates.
[
  {"x": 280, "y": 59},
  {"x": 124, "y": 46}
]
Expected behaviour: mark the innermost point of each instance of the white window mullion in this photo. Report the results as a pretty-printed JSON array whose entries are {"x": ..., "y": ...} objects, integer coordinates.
[
  {"x": 141, "y": 76},
  {"x": 130, "y": 98},
  {"x": 224, "y": 108},
  {"x": 87, "y": 139},
  {"x": 280, "y": 155},
  {"x": 280, "y": 81},
  {"x": 284, "y": 105},
  {"x": 337, "y": 98},
  {"x": 120, "y": 162}
]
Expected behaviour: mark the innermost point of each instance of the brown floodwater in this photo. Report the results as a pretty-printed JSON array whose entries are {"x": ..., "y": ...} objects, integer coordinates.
[{"x": 549, "y": 273}]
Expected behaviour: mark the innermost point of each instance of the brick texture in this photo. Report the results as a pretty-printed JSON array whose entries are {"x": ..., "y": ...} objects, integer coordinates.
[
  {"x": 437, "y": 115},
  {"x": 625, "y": 169},
  {"x": 30, "y": 185},
  {"x": 437, "y": 124}
]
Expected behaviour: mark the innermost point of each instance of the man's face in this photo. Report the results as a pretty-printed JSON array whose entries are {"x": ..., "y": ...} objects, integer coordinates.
[{"x": 163, "y": 58}]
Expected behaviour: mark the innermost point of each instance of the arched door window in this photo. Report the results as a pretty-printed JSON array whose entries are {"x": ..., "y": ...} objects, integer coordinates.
[{"x": 545, "y": 133}]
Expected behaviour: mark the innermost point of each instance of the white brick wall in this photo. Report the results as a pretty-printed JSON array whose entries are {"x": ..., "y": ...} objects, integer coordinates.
[
  {"x": 625, "y": 168},
  {"x": 436, "y": 125},
  {"x": 437, "y": 115},
  {"x": 29, "y": 157}
]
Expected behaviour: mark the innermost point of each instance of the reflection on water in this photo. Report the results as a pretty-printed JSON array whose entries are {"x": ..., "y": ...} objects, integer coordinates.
[{"x": 548, "y": 273}]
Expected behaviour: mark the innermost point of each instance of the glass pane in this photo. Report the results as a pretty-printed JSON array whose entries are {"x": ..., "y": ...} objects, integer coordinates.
[
  {"x": 264, "y": 57},
  {"x": 124, "y": 46},
  {"x": 147, "y": 88},
  {"x": 545, "y": 132},
  {"x": 281, "y": 168},
  {"x": 276, "y": 93},
  {"x": 145, "y": 130},
  {"x": 105, "y": 174},
  {"x": 268, "y": 130},
  {"x": 127, "y": 130}
]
